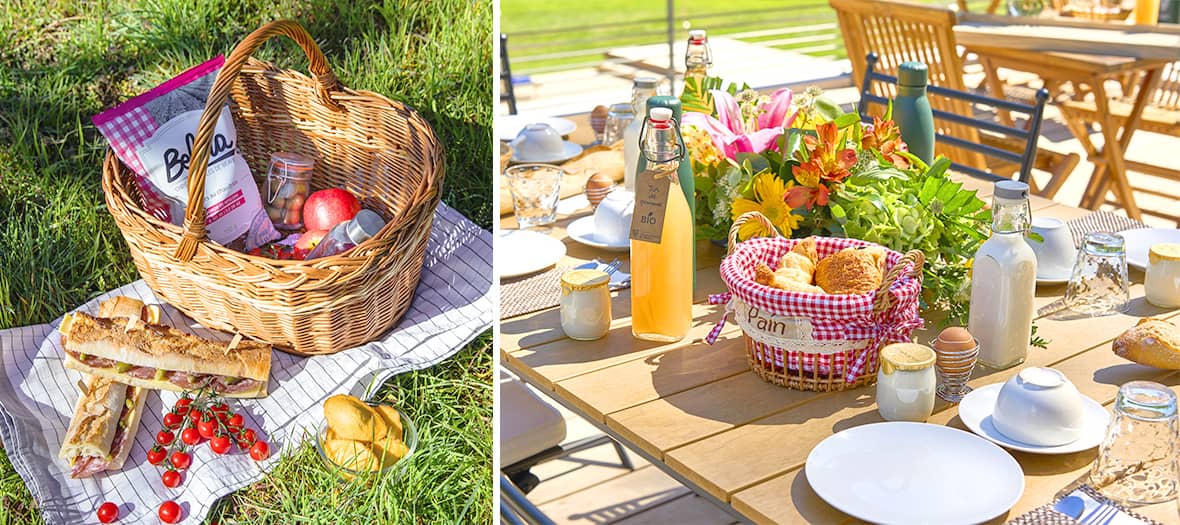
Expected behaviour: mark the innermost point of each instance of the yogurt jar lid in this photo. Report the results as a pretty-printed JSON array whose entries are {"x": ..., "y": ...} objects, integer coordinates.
[
  {"x": 1164, "y": 251},
  {"x": 906, "y": 356},
  {"x": 582, "y": 280}
]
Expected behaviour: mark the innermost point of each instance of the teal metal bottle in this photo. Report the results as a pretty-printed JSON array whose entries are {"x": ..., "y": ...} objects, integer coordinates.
[
  {"x": 911, "y": 110},
  {"x": 684, "y": 172}
]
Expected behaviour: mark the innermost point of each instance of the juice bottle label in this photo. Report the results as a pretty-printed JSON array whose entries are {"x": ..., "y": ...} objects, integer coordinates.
[{"x": 651, "y": 200}]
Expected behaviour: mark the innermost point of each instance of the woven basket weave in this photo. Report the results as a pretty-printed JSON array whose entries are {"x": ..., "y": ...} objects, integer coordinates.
[
  {"x": 382, "y": 151},
  {"x": 806, "y": 363}
]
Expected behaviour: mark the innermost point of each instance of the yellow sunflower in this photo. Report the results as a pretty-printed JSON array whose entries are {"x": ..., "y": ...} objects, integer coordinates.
[{"x": 769, "y": 199}]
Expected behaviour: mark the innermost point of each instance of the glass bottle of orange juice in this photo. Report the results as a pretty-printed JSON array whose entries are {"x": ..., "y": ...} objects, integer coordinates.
[{"x": 661, "y": 237}]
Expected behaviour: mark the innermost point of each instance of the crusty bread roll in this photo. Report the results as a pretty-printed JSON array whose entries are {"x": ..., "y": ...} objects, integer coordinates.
[
  {"x": 1151, "y": 342},
  {"x": 850, "y": 271},
  {"x": 784, "y": 280}
]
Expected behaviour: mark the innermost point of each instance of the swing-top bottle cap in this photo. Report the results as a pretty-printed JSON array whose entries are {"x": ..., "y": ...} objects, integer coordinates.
[
  {"x": 697, "y": 36},
  {"x": 913, "y": 74},
  {"x": 1011, "y": 189},
  {"x": 660, "y": 116},
  {"x": 646, "y": 82}
]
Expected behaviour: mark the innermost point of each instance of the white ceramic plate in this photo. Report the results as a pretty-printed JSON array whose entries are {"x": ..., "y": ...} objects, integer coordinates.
[
  {"x": 976, "y": 412},
  {"x": 509, "y": 126},
  {"x": 582, "y": 230},
  {"x": 911, "y": 473},
  {"x": 569, "y": 150},
  {"x": 521, "y": 252},
  {"x": 1054, "y": 279},
  {"x": 1140, "y": 241}
]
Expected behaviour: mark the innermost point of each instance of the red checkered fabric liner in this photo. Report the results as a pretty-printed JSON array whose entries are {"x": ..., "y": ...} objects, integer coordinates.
[
  {"x": 833, "y": 317},
  {"x": 133, "y": 128}
]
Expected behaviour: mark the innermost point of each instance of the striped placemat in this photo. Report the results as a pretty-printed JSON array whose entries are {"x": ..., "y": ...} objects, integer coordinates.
[
  {"x": 525, "y": 295},
  {"x": 1101, "y": 221},
  {"x": 1047, "y": 515}
]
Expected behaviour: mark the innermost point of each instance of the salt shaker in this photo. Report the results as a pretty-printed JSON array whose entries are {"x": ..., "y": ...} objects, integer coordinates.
[
  {"x": 905, "y": 382},
  {"x": 347, "y": 234}
]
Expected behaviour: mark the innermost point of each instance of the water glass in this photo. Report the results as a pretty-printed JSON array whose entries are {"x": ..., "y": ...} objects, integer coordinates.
[
  {"x": 535, "y": 190},
  {"x": 617, "y": 120},
  {"x": 1137, "y": 461},
  {"x": 1099, "y": 284}
]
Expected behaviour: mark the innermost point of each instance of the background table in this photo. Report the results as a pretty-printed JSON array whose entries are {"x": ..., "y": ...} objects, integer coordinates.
[{"x": 697, "y": 412}]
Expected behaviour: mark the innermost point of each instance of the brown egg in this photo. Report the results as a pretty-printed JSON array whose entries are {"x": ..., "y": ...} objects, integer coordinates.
[
  {"x": 954, "y": 339},
  {"x": 597, "y": 186},
  {"x": 598, "y": 118}
]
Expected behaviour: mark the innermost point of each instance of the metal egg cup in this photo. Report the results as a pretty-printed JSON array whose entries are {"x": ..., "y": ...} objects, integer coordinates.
[{"x": 953, "y": 369}]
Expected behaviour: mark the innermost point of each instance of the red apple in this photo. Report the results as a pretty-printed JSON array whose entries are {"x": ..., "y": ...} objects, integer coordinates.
[
  {"x": 327, "y": 208},
  {"x": 307, "y": 242}
]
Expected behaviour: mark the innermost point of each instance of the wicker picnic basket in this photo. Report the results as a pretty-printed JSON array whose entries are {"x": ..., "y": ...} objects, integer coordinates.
[
  {"x": 381, "y": 150},
  {"x": 816, "y": 342}
]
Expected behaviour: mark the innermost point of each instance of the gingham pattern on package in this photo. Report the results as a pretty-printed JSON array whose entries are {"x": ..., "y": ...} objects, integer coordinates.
[
  {"x": 833, "y": 317},
  {"x": 132, "y": 129}
]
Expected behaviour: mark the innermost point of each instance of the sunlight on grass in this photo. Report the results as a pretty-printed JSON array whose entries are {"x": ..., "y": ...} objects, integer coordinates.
[{"x": 65, "y": 60}]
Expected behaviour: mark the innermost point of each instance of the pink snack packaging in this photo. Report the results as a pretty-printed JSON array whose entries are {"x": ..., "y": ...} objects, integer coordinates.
[{"x": 153, "y": 135}]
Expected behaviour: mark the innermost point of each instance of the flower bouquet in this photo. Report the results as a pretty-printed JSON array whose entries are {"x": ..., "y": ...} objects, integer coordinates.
[{"x": 813, "y": 169}]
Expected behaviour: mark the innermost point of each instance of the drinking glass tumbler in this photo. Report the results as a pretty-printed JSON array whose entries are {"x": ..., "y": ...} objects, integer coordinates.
[
  {"x": 1137, "y": 460},
  {"x": 535, "y": 190},
  {"x": 617, "y": 120},
  {"x": 1099, "y": 284}
]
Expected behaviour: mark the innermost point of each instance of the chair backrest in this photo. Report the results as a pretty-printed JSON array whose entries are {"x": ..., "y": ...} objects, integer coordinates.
[
  {"x": 900, "y": 32},
  {"x": 1167, "y": 92},
  {"x": 507, "y": 93},
  {"x": 1028, "y": 137}
]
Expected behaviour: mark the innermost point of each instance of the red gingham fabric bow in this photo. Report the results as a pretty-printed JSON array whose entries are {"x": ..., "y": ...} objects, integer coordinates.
[{"x": 833, "y": 317}]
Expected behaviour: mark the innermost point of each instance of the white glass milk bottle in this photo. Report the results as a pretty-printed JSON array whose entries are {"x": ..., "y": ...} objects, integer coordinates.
[
  {"x": 644, "y": 88},
  {"x": 1003, "y": 281}
]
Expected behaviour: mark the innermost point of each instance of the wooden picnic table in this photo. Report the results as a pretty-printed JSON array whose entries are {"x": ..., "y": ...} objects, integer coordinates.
[
  {"x": 1072, "y": 51},
  {"x": 697, "y": 412}
]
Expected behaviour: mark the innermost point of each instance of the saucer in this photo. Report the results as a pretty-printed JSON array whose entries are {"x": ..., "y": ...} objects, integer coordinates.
[
  {"x": 1061, "y": 278},
  {"x": 582, "y": 230},
  {"x": 569, "y": 150},
  {"x": 976, "y": 412},
  {"x": 509, "y": 126},
  {"x": 1138, "y": 242},
  {"x": 522, "y": 252}
]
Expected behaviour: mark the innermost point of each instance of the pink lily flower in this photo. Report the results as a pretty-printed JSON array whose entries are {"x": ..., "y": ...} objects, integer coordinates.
[{"x": 731, "y": 135}]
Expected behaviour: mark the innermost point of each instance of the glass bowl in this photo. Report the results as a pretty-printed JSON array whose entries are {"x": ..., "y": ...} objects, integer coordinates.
[{"x": 409, "y": 437}]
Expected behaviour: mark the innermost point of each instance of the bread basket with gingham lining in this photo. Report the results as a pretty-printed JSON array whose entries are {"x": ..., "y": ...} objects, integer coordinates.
[{"x": 811, "y": 341}]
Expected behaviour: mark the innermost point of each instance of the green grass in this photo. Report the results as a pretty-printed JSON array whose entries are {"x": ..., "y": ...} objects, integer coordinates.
[
  {"x": 62, "y": 61},
  {"x": 539, "y": 27}
]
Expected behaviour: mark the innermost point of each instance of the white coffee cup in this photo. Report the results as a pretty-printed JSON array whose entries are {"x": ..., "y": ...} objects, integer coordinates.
[
  {"x": 612, "y": 219},
  {"x": 1056, "y": 252},
  {"x": 539, "y": 142},
  {"x": 1039, "y": 406}
]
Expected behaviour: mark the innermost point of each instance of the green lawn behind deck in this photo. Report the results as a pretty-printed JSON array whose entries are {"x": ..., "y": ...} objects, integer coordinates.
[
  {"x": 62, "y": 61},
  {"x": 573, "y": 27}
]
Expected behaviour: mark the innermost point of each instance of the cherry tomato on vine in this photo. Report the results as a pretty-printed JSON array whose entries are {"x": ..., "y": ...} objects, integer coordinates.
[
  {"x": 207, "y": 427},
  {"x": 194, "y": 415},
  {"x": 259, "y": 451},
  {"x": 184, "y": 401},
  {"x": 169, "y": 512},
  {"x": 190, "y": 436},
  {"x": 108, "y": 512},
  {"x": 247, "y": 438},
  {"x": 171, "y": 479},
  {"x": 181, "y": 460},
  {"x": 220, "y": 444},
  {"x": 172, "y": 420},
  {"x": 156, "y": 455},
  {"x": 236, "y": 420},
  {"x": 165, "y": 437}
]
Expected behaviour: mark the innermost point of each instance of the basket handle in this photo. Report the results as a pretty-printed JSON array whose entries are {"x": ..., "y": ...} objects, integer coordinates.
[
  {"x": 744, "y": 218},
  {"x": 884, "y": 300},
  {"x": 194, "y": 213}
]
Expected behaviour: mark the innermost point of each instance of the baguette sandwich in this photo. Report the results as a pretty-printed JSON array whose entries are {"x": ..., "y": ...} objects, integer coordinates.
[
  {"x": 103, "y": 428},
  {"x": 160, "y": 357},
  {"x": 107, "y": 414}
]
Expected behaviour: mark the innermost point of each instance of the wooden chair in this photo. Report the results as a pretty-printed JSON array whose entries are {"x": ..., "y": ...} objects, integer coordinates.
[
  {"x": 1161, "y": 115},
  {"x": 899, "y": 32},
  {"x": 1024, "y": 159},
  {"x": 507, "y": 93}
]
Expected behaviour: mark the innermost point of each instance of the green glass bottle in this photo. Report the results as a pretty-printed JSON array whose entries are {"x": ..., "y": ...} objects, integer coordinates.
[
  {"x": 683, "y": 172},
  {"x": 911, "y": 110}
]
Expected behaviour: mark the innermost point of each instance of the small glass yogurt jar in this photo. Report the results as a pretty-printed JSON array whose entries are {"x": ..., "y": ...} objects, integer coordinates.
[
  {"x": 906, "y": 382},
  {"x": 1162, "y": 282},
  {"x": 585, "y": 304}
]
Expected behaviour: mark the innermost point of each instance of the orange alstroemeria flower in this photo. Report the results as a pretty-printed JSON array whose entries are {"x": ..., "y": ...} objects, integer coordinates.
[
  {"x": 885, "y": 137},
  {"x": 825, "y": 162}
]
